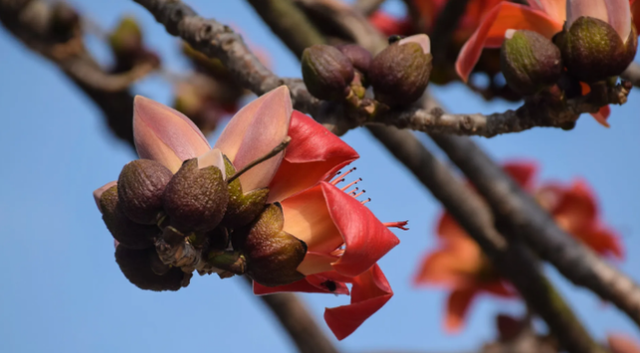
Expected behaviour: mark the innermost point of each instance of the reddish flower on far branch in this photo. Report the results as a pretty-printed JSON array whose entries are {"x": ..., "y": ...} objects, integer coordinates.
[
  {"x": 622, "y": 344},
  {"x": 576, "y": 21},
  {"x": 459, "y": 264},
  {"x": 283, "y": 222}
]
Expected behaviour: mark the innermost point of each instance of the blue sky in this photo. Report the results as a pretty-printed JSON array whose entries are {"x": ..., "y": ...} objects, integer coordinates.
[{"x": 63, "y": 292}]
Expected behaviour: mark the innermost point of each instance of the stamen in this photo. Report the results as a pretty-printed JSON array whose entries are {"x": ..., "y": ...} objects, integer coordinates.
[
  {"x": 337, "y": 181},
  {"x": 366, "y": 201},
  {"x": 400, "y": 225},
  {"x": 351, "y": 184},
  {"x": 352, "y": 192},
  {"x": 361, "y": 192}
]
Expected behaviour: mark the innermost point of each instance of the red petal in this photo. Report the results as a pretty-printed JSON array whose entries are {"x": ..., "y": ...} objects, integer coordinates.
[
  {"x": 370, "y": 292},
  {"x": 457, "y": 307},
  {"x": 390, "y": 25},
  {"x": 576, "y": 207},
  {"x": 522, "y": 172},
  {"x": 318, "y": 283},
  {"x": 366, "y": 238},
  {"x": 603, "y": 114},
  {"x": 313, "y": 154},
  {"x": 493, "y": 27},
  {"x": 603, "y": 241}
]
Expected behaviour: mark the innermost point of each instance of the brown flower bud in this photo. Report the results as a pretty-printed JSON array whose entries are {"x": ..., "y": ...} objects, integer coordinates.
[
  {"x": 140, "y": 187},
  {"x": 400, "y": 73},
  {"x": 127, "y": 232},
  {"x": 360, "y": 57},
  {"x": 141, "y": 267},
  {"x": 242, "y": 208},
  {"x": 530, "y": 62},
  {"x": 196, "y": 198},
  {"x": 327, "y": 72},
  {"x": 592, "y": 50},
  {"x": 272, "y": 255}
]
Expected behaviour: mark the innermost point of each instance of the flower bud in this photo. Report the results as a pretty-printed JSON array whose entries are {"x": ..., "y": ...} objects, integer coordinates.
[
  {"x": 242, "y": 208},
  {"x": 196, "y": 198},
  {"x": 327, "y": 72},
  {"x": 126, "y": 38},
  {"x": 529, "y": 61},
  {"x": 360, "y": 57},
  {"x": 129, "y": 233},
  {"x": 400, "y": 73},
  {"x": 592, "y": 50},
  {"x": 272, "y": 255},
  {"x": 140, "y": 188},
  {"x": 140, "y": 266}
]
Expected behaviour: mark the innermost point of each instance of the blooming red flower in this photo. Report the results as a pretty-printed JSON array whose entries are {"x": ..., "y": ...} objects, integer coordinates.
[
  {"x": 459, "y": 264},
  {"x": 344, "y": 240}
]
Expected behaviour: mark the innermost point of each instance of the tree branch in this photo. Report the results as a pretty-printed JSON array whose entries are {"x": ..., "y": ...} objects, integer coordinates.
[
  {"x": 33, "y": 23},
  {"x": 368, "y": 7},
  {"x": 632, "y": 73},
  {"x": 301, "y": 327}
]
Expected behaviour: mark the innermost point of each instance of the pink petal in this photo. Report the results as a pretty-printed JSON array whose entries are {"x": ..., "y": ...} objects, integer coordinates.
[
  {"x": 491, "y": 31},
  {"x": 165, "y": 135},
  {"x": 421, "y": 39},
  {"x": 99, "y": 191},
  {"x": 212, "y": 158},
  {"x": 313, "y": 154},
  {"x": 255, "y": 131},
  {"x": 370, "y": 292},
  {"x": 366, "y": 238},
  {"x": 615, "y": 12}
]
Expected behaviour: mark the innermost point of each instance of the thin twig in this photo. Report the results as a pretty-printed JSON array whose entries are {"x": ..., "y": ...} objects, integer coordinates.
[{"x": 279, "y": 148}]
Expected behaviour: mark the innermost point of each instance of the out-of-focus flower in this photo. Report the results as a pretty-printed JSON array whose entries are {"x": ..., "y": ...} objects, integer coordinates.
[
  {"x": 459, "y": 264},
  {"x": 622, "y": 344},
  {"x": 306, "y": 234}
]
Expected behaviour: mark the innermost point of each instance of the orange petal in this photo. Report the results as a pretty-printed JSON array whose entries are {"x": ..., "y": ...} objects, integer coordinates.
[
  {"x": 253, "y": 132},
  {"x": 576, "y": 206},
  {"x": 457, "y": 307},
  {"x": 556, "y": 9},
  {"x": 601, "y": 240},
  {"x": 165, "y": 135},
  {"x": 623, "y": 344},
  {"x": 491, "y": 32},
  {"x": 313, "y": 154},
  {"x": 449, "y": 228},
  {"x": 444, "y": 267}
]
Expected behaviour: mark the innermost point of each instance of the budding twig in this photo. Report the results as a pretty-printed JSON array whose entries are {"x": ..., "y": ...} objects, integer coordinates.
[{"x": 279, "y": 148}]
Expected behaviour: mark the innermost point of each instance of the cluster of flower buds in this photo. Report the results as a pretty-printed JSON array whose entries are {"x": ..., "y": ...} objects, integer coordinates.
[
  {"x": 170, "y": 219},
  {"x": 597, "y": 43},
  {"x": 399, "y": 74}
]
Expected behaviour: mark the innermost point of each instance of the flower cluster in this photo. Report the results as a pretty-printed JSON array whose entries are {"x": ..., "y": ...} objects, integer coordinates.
[
  {"x": 399, "y": 74},
  {"x": 245, "y": 207},
  {"x": 592, "y": 40},
  {"x": 460, "y": 265}
]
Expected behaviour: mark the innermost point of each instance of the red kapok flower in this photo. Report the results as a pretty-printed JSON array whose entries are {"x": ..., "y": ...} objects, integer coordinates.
[
  {"x": 459, "y": 264},
  {"x": 344, "y": 240},
  {"x": 622, "y": 344}
]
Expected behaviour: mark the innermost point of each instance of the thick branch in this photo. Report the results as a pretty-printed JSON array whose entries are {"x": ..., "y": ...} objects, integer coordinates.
[
  {"x": 292, "y": 26},
  {"x": 519, "y": 211},
  {"x": 299, "y": 324},
  {"x": 368, "y": 7}
]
